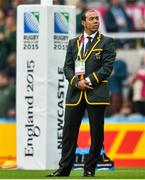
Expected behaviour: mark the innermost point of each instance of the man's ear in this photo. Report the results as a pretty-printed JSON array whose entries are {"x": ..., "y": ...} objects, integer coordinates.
[{"x": 83, "y": 23}]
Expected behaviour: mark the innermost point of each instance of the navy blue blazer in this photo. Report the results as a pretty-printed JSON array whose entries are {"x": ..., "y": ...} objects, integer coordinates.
[{"x": 99, "y": 62}]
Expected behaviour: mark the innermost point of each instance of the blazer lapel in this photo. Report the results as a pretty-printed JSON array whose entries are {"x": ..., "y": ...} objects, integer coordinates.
[{"x": 94, "y": 43}]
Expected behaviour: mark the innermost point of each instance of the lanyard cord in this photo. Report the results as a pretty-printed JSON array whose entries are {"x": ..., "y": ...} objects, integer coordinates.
[
  {"x": 79, "y": 53},
  {"x": 80, "y": 48}
]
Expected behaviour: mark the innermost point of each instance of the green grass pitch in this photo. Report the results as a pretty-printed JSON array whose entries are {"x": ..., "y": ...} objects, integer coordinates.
[{"x": 118, "y": 173}]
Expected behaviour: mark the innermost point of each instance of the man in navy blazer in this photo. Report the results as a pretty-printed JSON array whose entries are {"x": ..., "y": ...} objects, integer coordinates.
[{"x": 88, "y": 64}]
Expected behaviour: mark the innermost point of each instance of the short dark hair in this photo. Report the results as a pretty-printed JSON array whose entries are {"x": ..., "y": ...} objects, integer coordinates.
[{"x": 83, "y": 18}]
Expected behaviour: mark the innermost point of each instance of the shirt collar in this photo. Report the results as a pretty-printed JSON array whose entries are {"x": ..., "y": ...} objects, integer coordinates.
[{"x": 92, "y": 35}]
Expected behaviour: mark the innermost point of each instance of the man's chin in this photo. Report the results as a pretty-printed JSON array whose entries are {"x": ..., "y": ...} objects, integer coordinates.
[{"x": 94, "y": 30}]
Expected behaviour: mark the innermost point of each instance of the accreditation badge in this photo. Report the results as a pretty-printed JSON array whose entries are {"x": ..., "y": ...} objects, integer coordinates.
[{"x": 79, "y": 67}]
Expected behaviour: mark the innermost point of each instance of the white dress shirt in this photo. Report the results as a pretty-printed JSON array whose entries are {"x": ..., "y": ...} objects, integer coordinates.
[
  {"x": 86, "y": 39},
  {"x": 85, "y": 42}
]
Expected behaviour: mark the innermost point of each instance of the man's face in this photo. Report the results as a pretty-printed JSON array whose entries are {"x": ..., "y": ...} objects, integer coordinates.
[{"x": 91, "y": 24}]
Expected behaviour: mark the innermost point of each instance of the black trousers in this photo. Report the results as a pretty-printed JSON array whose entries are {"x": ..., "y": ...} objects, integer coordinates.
[{"x": 73, "y": 117}]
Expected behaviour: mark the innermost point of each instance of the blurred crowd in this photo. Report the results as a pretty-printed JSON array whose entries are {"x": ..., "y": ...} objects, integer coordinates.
[
  {"x": 7, "y": 59},
  {"x": 132, "y": 102},
  {"x": 117, "y": 16}
]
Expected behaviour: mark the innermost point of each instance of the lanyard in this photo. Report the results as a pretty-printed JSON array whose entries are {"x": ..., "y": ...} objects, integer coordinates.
[
  {"x": 80, "y": 48},
  {"x": 80, "y": 68}
]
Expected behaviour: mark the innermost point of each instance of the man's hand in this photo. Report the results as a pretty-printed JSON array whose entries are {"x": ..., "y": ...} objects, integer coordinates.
[{"x": 83, "y": 84}]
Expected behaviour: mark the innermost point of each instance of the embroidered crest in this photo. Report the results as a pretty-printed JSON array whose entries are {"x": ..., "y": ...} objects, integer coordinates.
[{"x": 97, "y": 55}]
